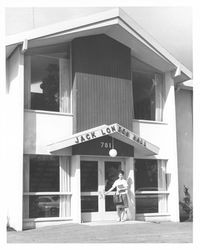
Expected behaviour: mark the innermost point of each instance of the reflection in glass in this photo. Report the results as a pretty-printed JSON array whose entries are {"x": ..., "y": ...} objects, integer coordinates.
[
  {"x": 44, "y": 83},
  {"x": 144, "y": 96},
  {"x": 111, "y": 173},
  {"x": 48, "y": 206},
  {"x": 146, "y": 175},
  {"x": 89, "y": 204},
  {"x": 44, "y": 206},
  {"x": 147, "y": 204},
  {"x": 109, "y": 205},
  {"x": 44, "y": 174},
  {"x": 156, "y": 203},
  {"x": 89, "y": 176}
]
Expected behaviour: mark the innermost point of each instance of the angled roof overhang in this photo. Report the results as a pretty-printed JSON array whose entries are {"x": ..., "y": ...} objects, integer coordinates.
[
  {"x": 141, "y": 146},
  {"x": 114, "y": 23}
]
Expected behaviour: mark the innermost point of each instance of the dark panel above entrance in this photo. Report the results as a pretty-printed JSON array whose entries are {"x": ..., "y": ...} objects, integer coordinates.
[{"x": 102, "y": 87}]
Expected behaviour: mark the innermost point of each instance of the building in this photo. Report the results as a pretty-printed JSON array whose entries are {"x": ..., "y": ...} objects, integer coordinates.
[{"x": 78, "y": 89}]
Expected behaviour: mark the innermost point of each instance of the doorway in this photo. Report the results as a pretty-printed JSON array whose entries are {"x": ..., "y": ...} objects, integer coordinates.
[{"x": 97, "y": 176}]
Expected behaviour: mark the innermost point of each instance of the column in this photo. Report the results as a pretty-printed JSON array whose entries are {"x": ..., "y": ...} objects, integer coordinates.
[
  {"x": 14, "y": 107},
  {"x": 169, "y": 116},
  {"x": 131, "y": 189},
  {"x": 75, "y": 189}
]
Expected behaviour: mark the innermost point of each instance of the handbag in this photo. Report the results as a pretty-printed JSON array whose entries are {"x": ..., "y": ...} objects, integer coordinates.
[{"x": 117, "y": 199}]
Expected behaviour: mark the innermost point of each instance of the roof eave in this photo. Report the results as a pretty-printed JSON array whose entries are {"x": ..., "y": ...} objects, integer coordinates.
[{"x": 112, "y": 18}]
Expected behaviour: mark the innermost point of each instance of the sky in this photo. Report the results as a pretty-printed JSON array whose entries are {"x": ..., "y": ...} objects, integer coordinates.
[{"x": 170, "y": 26}]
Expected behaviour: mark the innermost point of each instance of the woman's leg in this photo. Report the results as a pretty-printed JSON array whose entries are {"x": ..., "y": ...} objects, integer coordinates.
[
  {"x": 118, "y": 213},
  {"x": 124, "y": 214}
]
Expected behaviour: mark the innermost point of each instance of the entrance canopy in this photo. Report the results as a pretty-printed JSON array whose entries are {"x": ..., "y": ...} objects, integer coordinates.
[{"x": 141, "y": 146}]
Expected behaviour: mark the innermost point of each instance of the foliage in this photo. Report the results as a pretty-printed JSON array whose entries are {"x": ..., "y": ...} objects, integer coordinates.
[{"x": 187, "y": 204}]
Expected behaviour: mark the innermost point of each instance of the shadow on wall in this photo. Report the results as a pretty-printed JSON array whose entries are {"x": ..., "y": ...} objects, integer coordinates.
[
  {"x": 131, "y": 200},
  {"x": 12, "y": 68},
  {"x": 136, "y": 128},
  {"x": 9, "y": 228},
  {"x": 30, "y": 137}
]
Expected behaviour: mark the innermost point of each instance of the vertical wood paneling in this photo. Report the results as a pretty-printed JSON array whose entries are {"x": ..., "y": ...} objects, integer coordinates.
[{"x": 101, "y": 82}]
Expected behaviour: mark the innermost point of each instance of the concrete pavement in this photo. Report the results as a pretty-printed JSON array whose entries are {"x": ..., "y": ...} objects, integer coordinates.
[{"x": 107, "y": 232}]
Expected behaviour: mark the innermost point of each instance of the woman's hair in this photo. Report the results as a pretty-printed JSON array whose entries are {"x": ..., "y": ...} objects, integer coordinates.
[{"x": 121, "y": 172}]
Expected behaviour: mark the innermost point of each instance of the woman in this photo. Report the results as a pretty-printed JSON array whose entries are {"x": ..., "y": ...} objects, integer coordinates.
[{"x": 122, "y": 187}]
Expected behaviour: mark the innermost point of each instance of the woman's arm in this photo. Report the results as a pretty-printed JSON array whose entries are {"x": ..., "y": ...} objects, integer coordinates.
[{"x": 109, "y": 190}]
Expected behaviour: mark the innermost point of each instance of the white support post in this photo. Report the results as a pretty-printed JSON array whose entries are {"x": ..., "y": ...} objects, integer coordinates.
[
  {"x": 169, "y": 116},
  {"x": 63, "y": 186},
  {"x": 14, "y": 137},
  {"x": 75, "y": 189},
  {"x": 131, "y": 191},
  {"x": 27, "y": 82},
  {"x": 26, "y": 177},
  {"x": 162, "y": 201}
]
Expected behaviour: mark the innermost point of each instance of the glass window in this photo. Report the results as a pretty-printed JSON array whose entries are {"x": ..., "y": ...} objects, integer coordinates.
[
  {"x": 44, "y": 174},
  {"x": 89, "y": 176},
  {"x": 44, "y": 206},
  {"x": 45, "y": 83},
  {"x": 144, "y": 96},
  {"x": 47, "y": 71},
  {"x": 109, "y": 204},
  {"x": 89, "y": 204},
  {"x": 111, "y": 173},
  {"x": 151, "y": 203},
  {"x": 147, "y": 96},
  {"x": 147, "y": 204},
  {"x": 46, "y": 192},
  {"x": 89, "y": 183},
  {"x": 150, "y": 175},
  {"x": 150, "y": 180},
  {"x": 146, "y": 175}
]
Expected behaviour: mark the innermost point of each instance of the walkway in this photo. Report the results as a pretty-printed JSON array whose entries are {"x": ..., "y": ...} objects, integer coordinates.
[{"x": 107, "y": 232}]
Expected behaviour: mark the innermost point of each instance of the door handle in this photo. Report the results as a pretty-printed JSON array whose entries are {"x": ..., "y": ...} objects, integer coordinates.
[{"x": 101, "y": 194}]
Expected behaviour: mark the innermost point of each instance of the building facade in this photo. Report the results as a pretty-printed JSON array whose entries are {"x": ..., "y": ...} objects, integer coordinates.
[{"x": 77, "y": 90}]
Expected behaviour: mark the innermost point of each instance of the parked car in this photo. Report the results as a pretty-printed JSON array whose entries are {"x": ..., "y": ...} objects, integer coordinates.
[{"x": 48, "y": 205}]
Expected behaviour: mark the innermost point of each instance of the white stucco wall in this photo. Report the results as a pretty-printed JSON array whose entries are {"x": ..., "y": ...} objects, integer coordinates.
[
  {"x": 156, "y": 133},
  {"x": 184, "y": 120},
  {"x": 43, "y": 128}
]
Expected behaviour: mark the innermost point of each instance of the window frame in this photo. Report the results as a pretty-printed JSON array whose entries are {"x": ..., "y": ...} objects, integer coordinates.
[
  {"x": 64, "y": 106},
  {"x": 162, "y": 195},
  {"x": 65, "y": 190},
  {"x": 160, "y": 96}
]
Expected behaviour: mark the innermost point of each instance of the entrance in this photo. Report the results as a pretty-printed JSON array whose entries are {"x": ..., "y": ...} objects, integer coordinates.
[{"x": 98, "y": 176}]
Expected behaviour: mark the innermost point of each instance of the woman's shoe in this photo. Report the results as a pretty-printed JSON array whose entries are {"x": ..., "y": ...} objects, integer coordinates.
[{"x": 118, "y": 220}]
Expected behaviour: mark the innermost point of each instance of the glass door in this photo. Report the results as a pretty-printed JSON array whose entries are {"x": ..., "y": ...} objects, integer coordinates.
[
  {"x": 97, "y": 177},
  {"x": 89, "y": 186},
  {"x": 111, "y": 175}
]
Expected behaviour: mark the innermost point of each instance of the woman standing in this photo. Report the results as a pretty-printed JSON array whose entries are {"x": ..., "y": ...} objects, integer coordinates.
[{"x": 122, "y": 187}]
